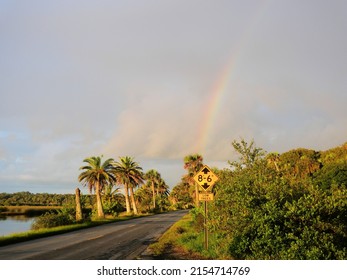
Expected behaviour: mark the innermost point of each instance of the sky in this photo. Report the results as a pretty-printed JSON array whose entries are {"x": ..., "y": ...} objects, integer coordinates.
[{"x": 159, "y": 80}]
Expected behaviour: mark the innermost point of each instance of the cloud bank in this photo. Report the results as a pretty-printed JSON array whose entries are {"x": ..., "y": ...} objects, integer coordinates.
[{"x": 117, "y": 78}]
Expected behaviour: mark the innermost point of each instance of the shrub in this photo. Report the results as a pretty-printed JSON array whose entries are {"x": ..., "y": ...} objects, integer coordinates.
[
  {"x": 260, "y": 214},
  {"x": 264, "y": 217},
  {"x": 113, "y": 208},
  {"x": 333, "y": 173},
  {"x": 64, "y": 216},
  {"x": 198, "y": 219}
]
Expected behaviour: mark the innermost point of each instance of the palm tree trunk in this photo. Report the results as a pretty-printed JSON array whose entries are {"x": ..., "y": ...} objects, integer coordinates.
[
  {"x": 127, "y": 203},
  {"x": 277, "y": 169},
  {"x": 78, "y": 205},
  {"x": 132, "y": 197},
  {"x": 99, "y": 202},
  {"x": 196, "y": 195},
  {"x": 153, "y": 195}
]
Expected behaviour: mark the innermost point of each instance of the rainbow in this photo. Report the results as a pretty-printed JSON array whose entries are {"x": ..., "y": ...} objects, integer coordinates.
[
  {"x": 212, "y": 106},
  {"x": 221, "y": 85}
]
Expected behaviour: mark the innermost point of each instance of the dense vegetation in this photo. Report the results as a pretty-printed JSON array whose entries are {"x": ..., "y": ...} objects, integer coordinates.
[
  {"x": 37, "y": 199},
  {"x": 271, "y": 206}
]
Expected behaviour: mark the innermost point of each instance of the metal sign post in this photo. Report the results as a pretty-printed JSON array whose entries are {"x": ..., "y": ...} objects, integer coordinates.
[
  {"x": 205, "y": 225},
  {"x": 205, "y": 178}
]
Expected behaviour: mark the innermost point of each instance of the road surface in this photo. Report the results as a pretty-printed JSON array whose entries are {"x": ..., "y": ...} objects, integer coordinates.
[{"x": 124, "y": 240}]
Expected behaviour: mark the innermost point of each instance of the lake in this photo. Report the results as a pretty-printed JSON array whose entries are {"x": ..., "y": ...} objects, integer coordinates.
[{"x": 15, "y": 224}]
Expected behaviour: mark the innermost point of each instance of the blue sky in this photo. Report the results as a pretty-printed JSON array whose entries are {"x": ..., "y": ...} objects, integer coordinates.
[{"x": 115, "y": 78}]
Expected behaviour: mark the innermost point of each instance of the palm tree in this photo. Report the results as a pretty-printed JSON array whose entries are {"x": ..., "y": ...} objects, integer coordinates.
[
  {"x": 162, "y": 194},
  {"x": 96, "y": 175},
  {"x": 162, "y": 188},
  {"x": 129, "y": 174},
  {"x": 180, "y": 196},
  {"x": 153, "y": 177},
  {"x": 273, "y": 158},
  {"x": 109, "y": 192},
  {"x": 193, "y": 163},
  {"x": 143, "y": 196}
]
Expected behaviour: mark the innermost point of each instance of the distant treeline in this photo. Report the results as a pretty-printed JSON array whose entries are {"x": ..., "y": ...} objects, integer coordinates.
[{"x": 38, "y": 199}]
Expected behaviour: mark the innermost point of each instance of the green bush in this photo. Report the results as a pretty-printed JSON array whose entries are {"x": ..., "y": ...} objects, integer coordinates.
[
  {"x": 312, "y": 227},
  {"x": 260, "y": 214},
  {"x": 332, "y": 173},
  {"x": 113, "y": 208},
  {"x": 64, "y": 216},
  {"x": 50, "y": 220},
  {"x": 198, "y": 218}
]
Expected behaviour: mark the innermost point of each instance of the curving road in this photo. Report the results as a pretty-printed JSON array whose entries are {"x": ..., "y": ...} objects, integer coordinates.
[{"x": 124, "y": 240}]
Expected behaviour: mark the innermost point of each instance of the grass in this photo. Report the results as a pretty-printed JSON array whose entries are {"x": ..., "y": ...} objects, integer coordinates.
[
  {"x": 185, "y": 241},
  {"x": 34, "y": 234},
  {"x": 179, "y": 242}
]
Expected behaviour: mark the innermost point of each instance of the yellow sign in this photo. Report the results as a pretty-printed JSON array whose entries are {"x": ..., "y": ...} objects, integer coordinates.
[
  {"x": 205, "y": 178},
  {"x": 206, "y": 196}
]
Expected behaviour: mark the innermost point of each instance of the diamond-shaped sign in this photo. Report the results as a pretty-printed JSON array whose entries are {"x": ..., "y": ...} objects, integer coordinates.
[{"x": 205, "y": 178}]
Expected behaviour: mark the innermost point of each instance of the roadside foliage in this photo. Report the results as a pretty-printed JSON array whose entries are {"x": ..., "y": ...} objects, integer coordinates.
[{"x": 296, "y": 209}]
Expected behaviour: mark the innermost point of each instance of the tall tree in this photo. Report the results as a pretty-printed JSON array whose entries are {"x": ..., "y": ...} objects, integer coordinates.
[
  {"x": 162, "y": 194},
  {"x": 153, "y": 177},
  {"x": 180, "y": 196},
  {"x": 143, "y": 196},
  {"x": 129, "y": 174},
  {"x": 299, "y": 164},
  {"x": 193, "y": 163},
  {"x": 249, "y": 154},
  {"x": 96, "y": 175},
  {"x": 162, "y": 188}
]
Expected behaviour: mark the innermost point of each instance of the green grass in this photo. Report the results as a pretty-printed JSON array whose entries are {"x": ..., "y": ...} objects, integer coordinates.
[
  {"x": 181, "y": 241},
  {"x": 184, "y": 241},
  {"x": 34, "y": 234}
]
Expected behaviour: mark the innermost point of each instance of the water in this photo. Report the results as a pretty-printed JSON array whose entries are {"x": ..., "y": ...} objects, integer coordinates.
[{"x": 15, "y": 224}]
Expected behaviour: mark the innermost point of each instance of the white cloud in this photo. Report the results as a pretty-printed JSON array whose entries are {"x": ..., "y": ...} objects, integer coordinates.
[
  {"x": 120, "y": 78},
  {"x": 156, "y": 125}
]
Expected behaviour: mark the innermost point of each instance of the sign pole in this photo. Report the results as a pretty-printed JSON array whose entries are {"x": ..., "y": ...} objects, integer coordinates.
[{"x": 206, "y": 230}]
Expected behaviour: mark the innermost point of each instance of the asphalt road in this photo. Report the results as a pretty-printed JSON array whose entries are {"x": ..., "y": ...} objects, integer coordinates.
[{"x": 124, "y": 240}]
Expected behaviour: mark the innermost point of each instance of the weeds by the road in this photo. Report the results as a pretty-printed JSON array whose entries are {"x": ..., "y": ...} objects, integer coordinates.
[{"x": 182, "y": 241}]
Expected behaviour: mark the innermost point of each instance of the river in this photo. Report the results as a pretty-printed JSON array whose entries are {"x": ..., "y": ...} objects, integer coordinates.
[{"x": 15, "y": 224}]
